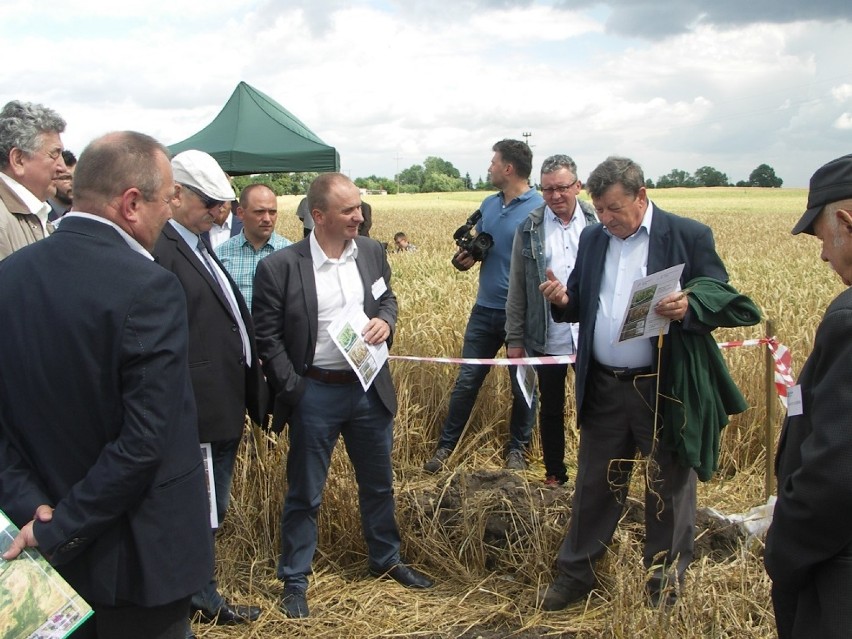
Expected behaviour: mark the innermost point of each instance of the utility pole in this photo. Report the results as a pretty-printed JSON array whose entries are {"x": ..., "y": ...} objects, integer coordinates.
[{"x": 527, "y": 135}]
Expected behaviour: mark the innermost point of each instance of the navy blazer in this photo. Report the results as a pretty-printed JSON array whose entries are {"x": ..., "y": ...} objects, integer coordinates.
[
  {"x": 98, "y": 418},
  {"x": 673, "y": 240},
  {"x": 810, "y": 540},
  {"x": 284, "y": 305},
  {"x": 224, "y": 386}
]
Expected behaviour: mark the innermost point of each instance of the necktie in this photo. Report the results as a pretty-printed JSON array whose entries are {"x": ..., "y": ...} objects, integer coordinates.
[{"x": 228, "y": 292}]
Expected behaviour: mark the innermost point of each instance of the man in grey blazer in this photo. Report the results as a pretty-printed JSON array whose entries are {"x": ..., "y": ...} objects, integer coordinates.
[
  {"x": 298, "y": 292},
  {"x": 809, "y": 544},
  {"x": 616, "y": 382}
]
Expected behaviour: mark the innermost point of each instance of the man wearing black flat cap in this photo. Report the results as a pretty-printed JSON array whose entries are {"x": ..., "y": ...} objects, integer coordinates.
[{"x": 809, "y": 545}]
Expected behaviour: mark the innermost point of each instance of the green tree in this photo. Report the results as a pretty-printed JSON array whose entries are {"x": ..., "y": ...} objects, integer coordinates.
[
  {"x": 649, "y": 183},
  {"x": 441, "y": 183},
  {"x": 708, "y": 176},
  {"x": 412, "y": 176},
  {"x": 764, "y": 175},
  {"x": 438, "y": 165},
  {"x": 676, "y": 177}
]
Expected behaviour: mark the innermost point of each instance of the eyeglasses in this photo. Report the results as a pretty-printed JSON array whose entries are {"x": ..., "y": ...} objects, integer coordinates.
[
  {"x": 208, "y": 202},
  {"x": 561, "y": 190}
]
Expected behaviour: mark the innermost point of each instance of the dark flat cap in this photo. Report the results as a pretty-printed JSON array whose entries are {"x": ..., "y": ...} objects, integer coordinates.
[{"x": 832, "y": 182}]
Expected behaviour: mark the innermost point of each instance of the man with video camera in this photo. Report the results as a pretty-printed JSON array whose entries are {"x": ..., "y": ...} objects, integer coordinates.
[{"x": 485, "y": 334}]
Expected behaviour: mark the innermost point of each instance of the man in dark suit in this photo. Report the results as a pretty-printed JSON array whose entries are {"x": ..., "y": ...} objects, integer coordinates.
[
  {"x": 298, "y": 292},
  {"x": 97, "y": 423},
  {"x": 616, "y": 382},
  {"x": 226, "y": 376},
  {"x": 809, "y": 544}
]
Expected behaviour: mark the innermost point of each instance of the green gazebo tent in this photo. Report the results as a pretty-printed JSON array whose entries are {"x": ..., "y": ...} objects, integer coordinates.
[{"x": 255, "y": 134}]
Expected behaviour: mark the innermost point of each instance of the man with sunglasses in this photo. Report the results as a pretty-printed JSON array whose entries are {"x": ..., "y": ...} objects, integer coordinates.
[
  {"x": 548, "y": 238},
  {"x": 223, "y": 362}
]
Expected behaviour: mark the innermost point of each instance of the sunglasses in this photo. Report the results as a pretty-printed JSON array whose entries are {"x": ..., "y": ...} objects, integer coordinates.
[{"x": 207, "y": 201}]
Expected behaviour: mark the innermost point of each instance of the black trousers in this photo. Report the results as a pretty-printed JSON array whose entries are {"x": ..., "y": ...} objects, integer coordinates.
[
  {"x": 551, "y": 418},
  {"x": 136, "y": 622},
  {"x": 618, "y": 420}
]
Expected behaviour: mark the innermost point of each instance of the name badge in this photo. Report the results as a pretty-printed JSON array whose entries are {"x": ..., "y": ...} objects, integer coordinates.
[
  {"x": 379, "y": 288},
  {"x": 794, "y": 401}
]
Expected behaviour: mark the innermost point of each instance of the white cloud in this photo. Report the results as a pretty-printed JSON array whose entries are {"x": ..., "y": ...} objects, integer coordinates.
[
  {"x": 391, "y": 83},
  {"x": 844, "y": 122}
]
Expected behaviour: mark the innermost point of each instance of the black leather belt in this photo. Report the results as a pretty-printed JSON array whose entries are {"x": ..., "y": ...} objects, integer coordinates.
[
  {"x": 623, "y": 374},
  {"x": 328, "y": 376}
]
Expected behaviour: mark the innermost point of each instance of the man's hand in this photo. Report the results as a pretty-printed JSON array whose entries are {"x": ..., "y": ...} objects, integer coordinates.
[
  {"x": 514, "y": 352},
  {"x": 376, "y": 331},
  {"x": 26, "y": 538},
  {"x": 553, "y": 290},
  {"x": 463, "y": 261},
  {"x": 673, "y": 306}
]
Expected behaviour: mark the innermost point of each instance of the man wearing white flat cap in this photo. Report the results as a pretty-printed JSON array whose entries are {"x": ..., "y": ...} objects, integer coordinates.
[{"x": 223, "y": 363}]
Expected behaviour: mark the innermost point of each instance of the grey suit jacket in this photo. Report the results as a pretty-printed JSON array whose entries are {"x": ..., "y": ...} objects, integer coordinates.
[
  {"x": 284, "y": 305},
  {"x": 673, "y": 240}
]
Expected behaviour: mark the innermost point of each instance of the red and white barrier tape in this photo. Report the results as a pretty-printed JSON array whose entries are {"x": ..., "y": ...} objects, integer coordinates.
[{"x": 780, "y": 354}]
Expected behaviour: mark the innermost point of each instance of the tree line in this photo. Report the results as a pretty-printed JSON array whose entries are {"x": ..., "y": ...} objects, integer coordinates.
[
  {"x": 437, "y": 175},
  {"x": 763, "y": 175}
]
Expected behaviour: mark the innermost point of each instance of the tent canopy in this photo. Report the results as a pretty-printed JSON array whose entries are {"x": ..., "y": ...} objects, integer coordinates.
[{"x": 255, "y": 134}]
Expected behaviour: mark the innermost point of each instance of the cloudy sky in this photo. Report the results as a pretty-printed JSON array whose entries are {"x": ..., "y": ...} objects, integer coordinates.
[{"x": 671, "y": 83}]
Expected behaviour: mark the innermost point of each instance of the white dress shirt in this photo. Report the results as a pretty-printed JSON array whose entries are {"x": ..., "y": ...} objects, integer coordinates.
[
  {"x": 560, "y": 245},
  {"x": 338, "y": 284}
]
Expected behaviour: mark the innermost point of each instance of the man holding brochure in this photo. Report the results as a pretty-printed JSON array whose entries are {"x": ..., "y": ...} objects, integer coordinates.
[
  {"x": 332, "y": 276},
  {"x": 617, "y": 382}
]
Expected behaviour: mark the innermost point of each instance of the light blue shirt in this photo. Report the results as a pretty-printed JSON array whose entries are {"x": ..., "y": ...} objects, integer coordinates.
[
  {"x": 626, "y": 261},
  {"x": 501, "y": 221}
]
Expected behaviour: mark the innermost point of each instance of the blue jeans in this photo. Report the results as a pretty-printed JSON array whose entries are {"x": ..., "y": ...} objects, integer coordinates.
[
  {"x": 324, "y": 413},
  {"x": 223, "y": 455},
  {"x": 484, "y": 336}
]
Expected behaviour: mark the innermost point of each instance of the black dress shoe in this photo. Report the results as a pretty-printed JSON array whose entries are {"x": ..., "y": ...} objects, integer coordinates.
[
  {"x": 405, "y": 575},
  {"x": 228, "y": 614},
  {"x": 294, "y": 604}
]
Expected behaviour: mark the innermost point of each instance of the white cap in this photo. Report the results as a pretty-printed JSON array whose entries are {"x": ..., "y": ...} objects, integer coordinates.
[{"x": 200, "y": 170}]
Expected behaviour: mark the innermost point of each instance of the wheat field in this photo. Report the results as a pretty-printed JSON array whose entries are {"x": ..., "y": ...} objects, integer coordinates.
[{"x": 487, "y": 536}]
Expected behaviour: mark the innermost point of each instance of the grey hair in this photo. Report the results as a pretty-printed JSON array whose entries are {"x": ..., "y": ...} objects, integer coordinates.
[
  {"x": 616, "y": 170},
  {"x": 21, "y": 126},
  {"x": 558, "y": 161},
  {"x": 828, "y": 212}
]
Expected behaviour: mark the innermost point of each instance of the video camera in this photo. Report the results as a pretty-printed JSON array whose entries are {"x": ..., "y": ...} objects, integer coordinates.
[{"x": 467, "y": 239}]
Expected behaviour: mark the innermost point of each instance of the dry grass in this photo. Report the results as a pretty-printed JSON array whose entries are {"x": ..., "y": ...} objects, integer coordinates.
[{"x": 489, "y": 539}]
